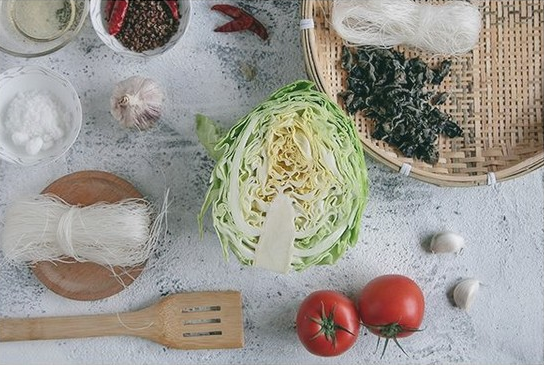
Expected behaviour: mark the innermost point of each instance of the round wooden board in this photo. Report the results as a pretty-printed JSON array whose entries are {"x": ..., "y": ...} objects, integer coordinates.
[{"x": 87, "y": 281}]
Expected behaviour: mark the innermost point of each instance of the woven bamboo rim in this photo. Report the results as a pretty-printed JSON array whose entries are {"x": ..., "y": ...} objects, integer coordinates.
[{"x": 496, "y": 95}]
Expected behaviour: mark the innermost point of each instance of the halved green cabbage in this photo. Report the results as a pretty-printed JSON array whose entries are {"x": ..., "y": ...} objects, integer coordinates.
[{"x": 290, "y": 183}]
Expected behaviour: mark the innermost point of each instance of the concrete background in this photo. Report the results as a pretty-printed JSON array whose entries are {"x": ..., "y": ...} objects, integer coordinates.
[{"x": 205, "y": 73}]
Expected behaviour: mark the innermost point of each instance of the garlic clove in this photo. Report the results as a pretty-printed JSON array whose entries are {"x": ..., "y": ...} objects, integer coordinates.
[
  {"x": 447, "y": 242},
  {"x": 137, "y": 102},
  {"x": 465, "y": 293}
]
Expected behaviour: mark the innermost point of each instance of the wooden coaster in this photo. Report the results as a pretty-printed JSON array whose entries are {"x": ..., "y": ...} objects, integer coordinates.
[{"x": 88, "y": 281}]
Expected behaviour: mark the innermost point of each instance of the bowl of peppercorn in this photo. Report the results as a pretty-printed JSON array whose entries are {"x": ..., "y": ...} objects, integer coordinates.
[{"x": 141, "y": 28}]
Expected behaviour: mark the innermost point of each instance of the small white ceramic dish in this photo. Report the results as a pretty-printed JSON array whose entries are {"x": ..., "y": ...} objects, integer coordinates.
[
  {"x": 100, "y": 25},
  {"x": 33, "y": 28},
  {"x": 19, "y": 80}
]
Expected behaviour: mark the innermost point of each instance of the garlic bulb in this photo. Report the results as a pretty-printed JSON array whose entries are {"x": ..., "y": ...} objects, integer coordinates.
[
  {"x": 447, "y": 241},
  {"x": 465, "y": 293},
  {"x": 137, "y": 102}
]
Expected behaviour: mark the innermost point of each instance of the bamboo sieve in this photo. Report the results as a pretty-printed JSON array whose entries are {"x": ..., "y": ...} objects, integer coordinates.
[{"x": 496, "y": 95}]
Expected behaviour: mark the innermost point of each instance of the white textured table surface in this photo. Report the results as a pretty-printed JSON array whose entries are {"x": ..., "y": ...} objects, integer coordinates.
[{"x": 503, "y": 225}]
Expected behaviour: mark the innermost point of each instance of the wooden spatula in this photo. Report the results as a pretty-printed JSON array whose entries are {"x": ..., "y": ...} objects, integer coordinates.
[{"x": 198, "y": 320}]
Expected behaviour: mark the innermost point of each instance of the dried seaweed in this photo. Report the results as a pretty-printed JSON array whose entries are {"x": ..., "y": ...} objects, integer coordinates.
[{"x": 391, "y": 90}]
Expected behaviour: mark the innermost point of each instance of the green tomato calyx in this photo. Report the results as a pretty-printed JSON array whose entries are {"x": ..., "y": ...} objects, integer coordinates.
[
  {"x": 390, "y": 332},
  {"x": 328, "y": 327}
]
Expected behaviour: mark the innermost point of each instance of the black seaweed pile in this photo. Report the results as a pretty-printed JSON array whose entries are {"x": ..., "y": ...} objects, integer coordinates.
[{"x": 391, "y": 90}]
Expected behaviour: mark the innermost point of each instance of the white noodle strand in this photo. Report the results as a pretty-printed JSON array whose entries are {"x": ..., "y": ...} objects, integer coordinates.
[
  {"x": 46, "y": 228},
  {"x": 449, "y": 29}
]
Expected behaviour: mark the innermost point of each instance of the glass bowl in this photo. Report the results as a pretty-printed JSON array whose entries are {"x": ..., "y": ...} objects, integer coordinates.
[
  {"x": 34, "y": 83},
  {"x": 100, "y": 25},
  {"x": 33, "y": 28}
]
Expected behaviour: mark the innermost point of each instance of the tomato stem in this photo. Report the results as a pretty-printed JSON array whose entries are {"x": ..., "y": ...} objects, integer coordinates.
[
  {"x": 384, "y": 347},
  {"x": 328, "y": 326},
  {"x": 386, "y": 343},
  {"x": 390, "y": 331},
  {"x": 398, "y": 344}
]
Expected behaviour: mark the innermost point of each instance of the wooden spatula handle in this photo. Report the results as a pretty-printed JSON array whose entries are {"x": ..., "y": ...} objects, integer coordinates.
[{"x": 50, "y": 328}]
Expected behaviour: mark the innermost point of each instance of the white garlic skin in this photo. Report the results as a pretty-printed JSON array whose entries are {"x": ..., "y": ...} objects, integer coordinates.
[
  {"x": 465, "y": 293},
  {"x": 137, "y": 102},
  {"x": 447, "y": 242}
]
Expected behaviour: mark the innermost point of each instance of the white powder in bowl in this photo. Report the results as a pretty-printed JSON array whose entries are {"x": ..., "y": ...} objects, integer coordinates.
[{"x": 35, "y": 120}]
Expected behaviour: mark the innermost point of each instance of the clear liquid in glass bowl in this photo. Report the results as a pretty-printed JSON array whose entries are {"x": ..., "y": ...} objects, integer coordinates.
[
  {"x": 34, "y": 28},
  {"x": 42, "y": 20}
]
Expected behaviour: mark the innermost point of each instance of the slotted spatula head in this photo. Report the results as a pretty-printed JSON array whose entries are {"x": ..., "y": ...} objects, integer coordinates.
[{"x": 200, "y": 320}]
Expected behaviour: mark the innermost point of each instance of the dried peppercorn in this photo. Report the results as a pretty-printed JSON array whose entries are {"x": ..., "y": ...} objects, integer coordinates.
[
  {"x": 117, "y": 16},
  {"x": 116, "y": 13},
  {"x": 242, "y": 21},
  {"x": 149, "y": 24}
]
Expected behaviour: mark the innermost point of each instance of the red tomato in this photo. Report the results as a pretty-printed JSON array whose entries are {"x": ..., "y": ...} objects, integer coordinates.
[
  {"x": 327, "y": 323},
  {"x": 391, "y": 306}
]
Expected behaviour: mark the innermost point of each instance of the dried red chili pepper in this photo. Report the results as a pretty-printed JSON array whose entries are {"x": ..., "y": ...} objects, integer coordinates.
[
  {"x": 230, "y": 10},
  {"x": 242, "y": 21},
  {"x": 237, "y": 25},
  {"x": 173, "y": 6},
  {"x": 260, "y": 30},
  {"x": 117, "y": 18},
  {"x": 108, "y": 9}
]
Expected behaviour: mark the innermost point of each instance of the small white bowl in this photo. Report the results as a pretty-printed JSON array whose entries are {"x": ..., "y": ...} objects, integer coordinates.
[
  {"x": 35, "y": 78},
  {"x": 100, "y": 26}
]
